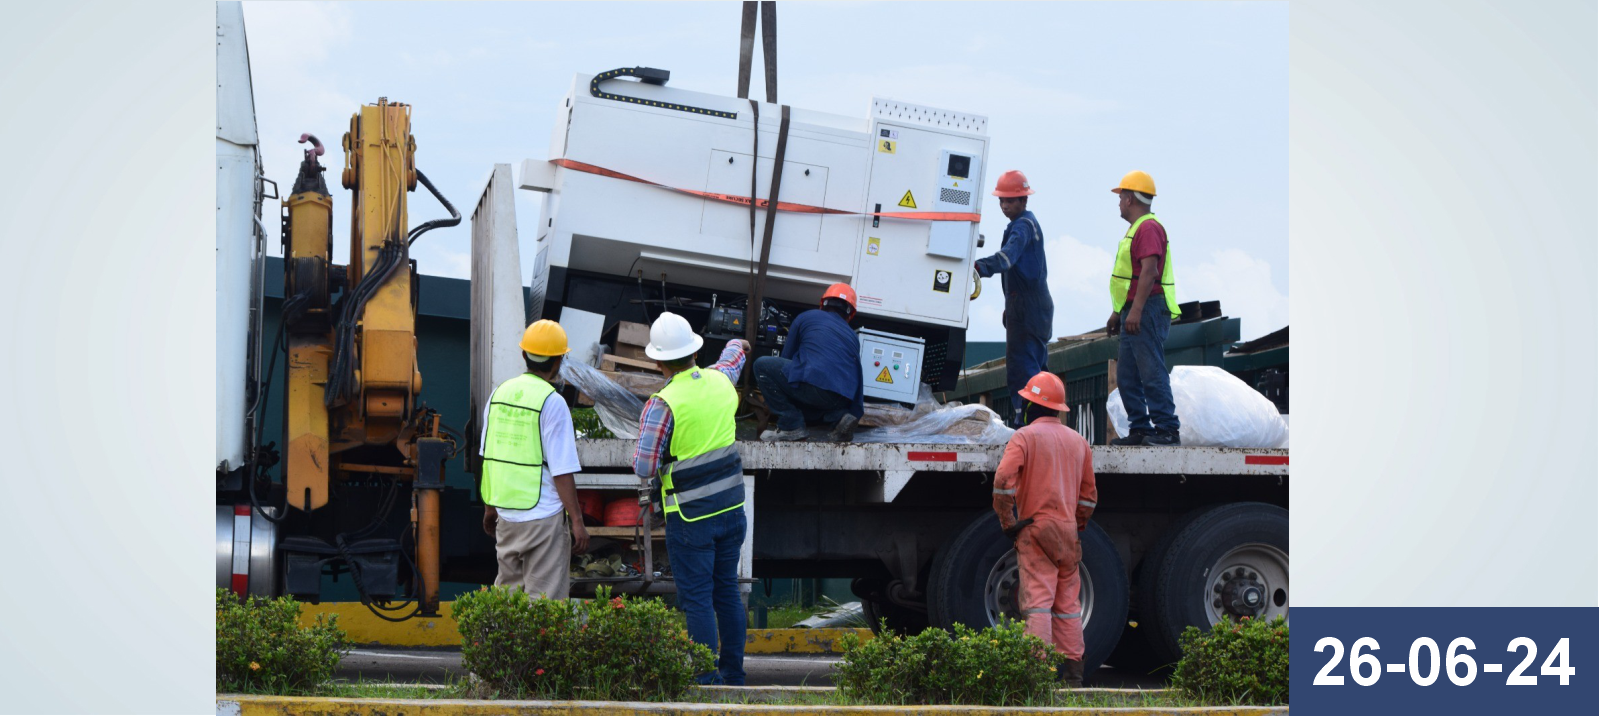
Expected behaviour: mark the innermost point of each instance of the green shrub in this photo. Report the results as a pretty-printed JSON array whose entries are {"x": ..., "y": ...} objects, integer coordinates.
[
  {"x": 998, "y": 666},
  {"x": 587, "y": 424},
  {"x": 607, "y": 649},
  {"x": 261, "y": 646},
  {"x": 1243, "y": 662}
]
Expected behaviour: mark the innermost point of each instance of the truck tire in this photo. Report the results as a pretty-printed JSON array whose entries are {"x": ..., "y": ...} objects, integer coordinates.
[
  {"x": 1235, "y": 555},
  {"x": 877, "y": 608},
  {"x": 1136, "y": 652},
  {"x": 975, "y": 580}
]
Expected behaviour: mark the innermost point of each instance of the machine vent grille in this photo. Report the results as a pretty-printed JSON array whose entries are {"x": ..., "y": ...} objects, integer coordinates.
[
  {"x": 894, "y": 110},
  {"x": 955, "y": 196},
  {"x": 933, "y": 360}
]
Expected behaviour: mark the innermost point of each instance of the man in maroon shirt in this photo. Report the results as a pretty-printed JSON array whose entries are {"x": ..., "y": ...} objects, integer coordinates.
[{"x": 1143, "y": 302}]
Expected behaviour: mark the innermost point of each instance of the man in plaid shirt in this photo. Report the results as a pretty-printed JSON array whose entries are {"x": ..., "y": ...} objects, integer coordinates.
[{"x": 688, "y": 437}]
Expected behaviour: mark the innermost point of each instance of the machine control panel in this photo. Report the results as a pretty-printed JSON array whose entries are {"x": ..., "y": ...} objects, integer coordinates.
[{"x": 891, "y": 365}]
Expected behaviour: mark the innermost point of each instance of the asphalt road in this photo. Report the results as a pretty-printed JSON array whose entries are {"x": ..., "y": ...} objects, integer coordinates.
[{"x": 437, "y": 666}]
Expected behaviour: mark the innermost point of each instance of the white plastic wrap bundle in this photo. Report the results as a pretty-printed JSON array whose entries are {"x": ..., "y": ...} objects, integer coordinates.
[
  {"x": 1216, "y": 410},
  {"x": 618, "y": 409}
]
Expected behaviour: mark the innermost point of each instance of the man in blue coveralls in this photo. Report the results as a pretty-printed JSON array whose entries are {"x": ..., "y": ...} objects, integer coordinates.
[
  {"x": 1029, "y": 311},
  {"x": 819, "y": 378}
]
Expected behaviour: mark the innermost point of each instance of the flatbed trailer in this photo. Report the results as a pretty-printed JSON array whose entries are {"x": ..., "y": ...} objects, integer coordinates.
[{"x": 1182, "y": 535}]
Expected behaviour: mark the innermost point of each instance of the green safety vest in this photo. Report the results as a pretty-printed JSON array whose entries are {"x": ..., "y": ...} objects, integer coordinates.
[
  {"x": 1121, "y": 276},
  {"x": 513, "y": 447},
  {"x": 707, "y": 477}
]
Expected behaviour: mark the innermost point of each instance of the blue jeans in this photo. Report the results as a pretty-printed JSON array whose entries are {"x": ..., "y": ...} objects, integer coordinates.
[
  {"x": 704, "y": 557},
  {"x": 1029, "y": 319},
  {"x": 1141, "y": 370},
  {"x": 796, "y": 404}
]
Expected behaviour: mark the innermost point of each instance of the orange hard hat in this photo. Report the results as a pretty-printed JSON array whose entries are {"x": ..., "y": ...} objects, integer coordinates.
[
  {"x": 1012, "y": 183},
  {"x": 1046, "y": 390},
  {"x": 841, "y": 290}
]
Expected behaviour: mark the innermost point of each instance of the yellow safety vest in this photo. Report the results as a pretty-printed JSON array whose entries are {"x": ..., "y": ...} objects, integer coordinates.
[
  {"x": 1121, "y": 275},
  {"x": 513, "y": 446},
  {"x": 707, "y": 477}
]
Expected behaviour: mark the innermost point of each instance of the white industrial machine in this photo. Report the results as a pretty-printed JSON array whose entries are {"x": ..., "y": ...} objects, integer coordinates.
[{"x": 647, "y": 209}]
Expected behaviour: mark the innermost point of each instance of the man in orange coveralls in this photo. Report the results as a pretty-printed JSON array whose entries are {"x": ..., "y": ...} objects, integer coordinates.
[{"x": 1044, "y": 493}]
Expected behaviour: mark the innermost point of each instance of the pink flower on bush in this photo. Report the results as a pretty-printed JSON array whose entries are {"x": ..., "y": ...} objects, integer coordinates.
[{"x": 540, "y": 672}]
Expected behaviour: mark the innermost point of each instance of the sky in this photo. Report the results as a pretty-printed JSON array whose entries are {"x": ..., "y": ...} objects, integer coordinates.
[{"x": 1077, "y": 94}]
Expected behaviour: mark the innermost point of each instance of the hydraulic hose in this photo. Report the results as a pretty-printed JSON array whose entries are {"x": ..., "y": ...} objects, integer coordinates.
[{"x": 455, "y": 216}]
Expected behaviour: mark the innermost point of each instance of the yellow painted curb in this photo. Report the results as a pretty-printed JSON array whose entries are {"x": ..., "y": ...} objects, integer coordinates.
[
  {"x": 363, "y": 627},
  {"x": 799, "y": 641},
  {"x": 229, "y": 705}
]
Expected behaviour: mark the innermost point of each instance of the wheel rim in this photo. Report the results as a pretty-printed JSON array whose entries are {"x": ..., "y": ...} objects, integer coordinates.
[
  {"x": 1251, "y": 581},
  {"x": 1002, "y": 592}
]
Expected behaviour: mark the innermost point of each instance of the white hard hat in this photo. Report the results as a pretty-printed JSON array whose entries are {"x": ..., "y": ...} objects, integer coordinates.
[{"x": 671, "y": 338}]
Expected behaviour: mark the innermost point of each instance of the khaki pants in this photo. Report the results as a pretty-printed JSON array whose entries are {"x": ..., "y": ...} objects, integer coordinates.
[{"x": 535, "y": 556}]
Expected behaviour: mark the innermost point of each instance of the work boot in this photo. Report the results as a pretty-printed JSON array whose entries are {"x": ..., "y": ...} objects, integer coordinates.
[
  {"x": 1136, "y": 438},
  {"x": 1071, "y": 673},
  {"x": 1163, "y": 439},
  {"x": 844, "y": 430},
  {"x": 784, "y": 436}
]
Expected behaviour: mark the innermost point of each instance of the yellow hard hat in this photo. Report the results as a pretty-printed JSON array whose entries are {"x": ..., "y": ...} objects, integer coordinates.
[
  {"x": 545, "y": 338},
  {"x": 1137, "y": 181}
]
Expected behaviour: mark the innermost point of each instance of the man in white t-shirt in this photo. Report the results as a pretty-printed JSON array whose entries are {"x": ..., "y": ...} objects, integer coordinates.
[{"x": 530, "y": 447}]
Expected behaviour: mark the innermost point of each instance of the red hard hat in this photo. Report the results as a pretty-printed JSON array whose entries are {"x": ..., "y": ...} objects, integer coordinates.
[
  {"x": 841, "y": 290},
  {"x": 1046, "y": 390},
  {"x": 1012, "y": 183}
]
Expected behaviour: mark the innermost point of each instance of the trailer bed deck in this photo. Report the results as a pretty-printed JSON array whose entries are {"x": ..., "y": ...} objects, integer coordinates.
[{"x": 610, "y": 455}]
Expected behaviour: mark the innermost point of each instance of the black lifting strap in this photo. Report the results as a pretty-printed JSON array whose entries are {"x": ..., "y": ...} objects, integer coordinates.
[
  {"x": 769, "y": 48},
  {"x": 768, "y": 18},
  {"x": 752, "y": 309},
  {"x": 746, "y": 49},
  {"x": 755, "y": 151}
]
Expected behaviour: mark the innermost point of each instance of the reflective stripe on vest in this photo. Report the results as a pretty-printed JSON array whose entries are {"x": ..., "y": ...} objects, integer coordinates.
[
  {"x": 1121, "y": 275},
  {"x": 707, "y": 478},
  {"x": 513, "y": 446}
]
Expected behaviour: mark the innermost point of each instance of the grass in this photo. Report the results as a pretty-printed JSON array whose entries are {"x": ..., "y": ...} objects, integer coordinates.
[
  {"x": 783, "y": 616},
  {"x": 383, "y": 690},
  {"x": 1059, "y": 700},
  {"x": 459, "y": 690}
]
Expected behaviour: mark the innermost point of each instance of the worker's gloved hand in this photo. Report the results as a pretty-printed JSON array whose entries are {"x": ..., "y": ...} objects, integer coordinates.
[{"x": 1017, "y": 528}]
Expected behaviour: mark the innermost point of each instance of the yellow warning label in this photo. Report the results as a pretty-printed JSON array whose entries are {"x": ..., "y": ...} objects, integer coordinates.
[
  {"x": 885, "y": 377},
  {"x": 873, "y": 245},
  {"x": 909, "y": 201},
  {"x": 886, "y": 146}
]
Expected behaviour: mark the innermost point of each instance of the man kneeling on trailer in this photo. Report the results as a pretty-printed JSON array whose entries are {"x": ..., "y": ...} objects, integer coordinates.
[
  {"x": 818, "y": 379},
  {"x": 1044, "y": 494}
]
